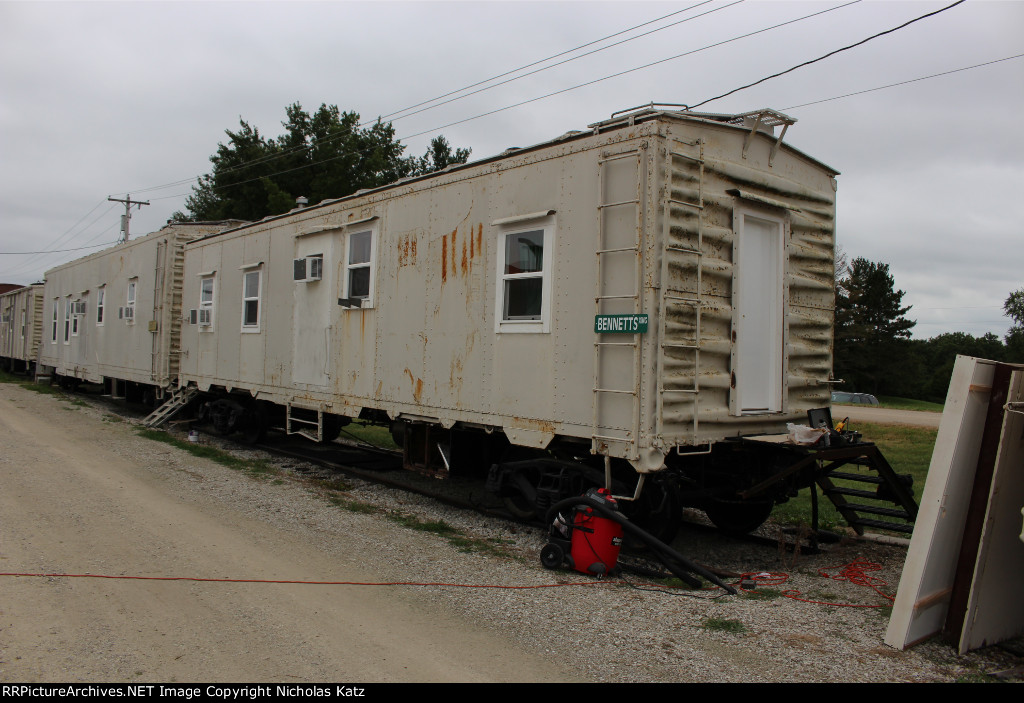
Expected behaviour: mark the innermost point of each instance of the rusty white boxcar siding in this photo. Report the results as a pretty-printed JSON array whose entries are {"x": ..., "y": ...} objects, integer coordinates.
[
  {"x": 715, "y": 202},
  {"x": 429, "y": 343},
  {"x": 21, "y": 313},
  {"x": 143, "y": 276}
]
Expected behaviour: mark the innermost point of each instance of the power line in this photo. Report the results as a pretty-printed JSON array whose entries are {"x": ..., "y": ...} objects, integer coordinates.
[
  {"x": 553, "y": 56},
  {"x": 548, "y": 95},
  {"x": 831, "y": 53},
  {"x": 912, "y": 80},
  {"x": 24, "y": 265},
  {"x": 307, "y": 147},
  {"x": 55, "y": 251},
  {"x": 574, "y": 58}
]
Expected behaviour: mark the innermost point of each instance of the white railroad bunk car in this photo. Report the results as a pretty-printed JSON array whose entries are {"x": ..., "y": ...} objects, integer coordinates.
[
  {"x": 653, "y": 285},
  {"x": 113, "y": 317},
  {"x": 21, "y": 314}
]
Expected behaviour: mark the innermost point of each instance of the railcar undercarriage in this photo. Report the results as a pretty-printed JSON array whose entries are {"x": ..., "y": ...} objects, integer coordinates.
[{"x": 737, "y": 483}]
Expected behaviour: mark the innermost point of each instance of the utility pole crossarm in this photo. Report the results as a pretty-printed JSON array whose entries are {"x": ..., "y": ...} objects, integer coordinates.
[{"x": 127, "y": 217}]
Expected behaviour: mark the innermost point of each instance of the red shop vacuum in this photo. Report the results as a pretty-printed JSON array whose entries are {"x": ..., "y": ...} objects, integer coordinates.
[
  {"x": 587, "y": 540},
  {"x": 586, "y": 533}
]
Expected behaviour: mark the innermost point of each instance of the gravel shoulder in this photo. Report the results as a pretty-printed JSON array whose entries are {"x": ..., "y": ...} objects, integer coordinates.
[{"x": 81, "y": 492}]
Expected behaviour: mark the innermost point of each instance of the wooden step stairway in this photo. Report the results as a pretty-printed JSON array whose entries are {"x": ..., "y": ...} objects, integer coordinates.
[{"x": 891, "y": 499}]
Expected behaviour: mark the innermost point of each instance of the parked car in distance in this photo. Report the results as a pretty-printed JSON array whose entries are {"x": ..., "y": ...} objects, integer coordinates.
[{"x": 854, "y": 398}]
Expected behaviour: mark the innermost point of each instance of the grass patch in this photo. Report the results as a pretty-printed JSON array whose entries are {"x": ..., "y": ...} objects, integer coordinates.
[
  {"x": 353, "y": 506},
  {"x": 763, "y": 594},
  {"x": 976, "y": 678},
  {"x": 332, "y": 484},
  {"x": 907, "y": 449},
  {"x": 28, "y": 383},
  {"x": 438, "y": 527},
  {"x": 455, "y": 537},
  {"x": 734, "y": 627},
  {"x": 374, "y": 435},
  {"x": 254, "y": 468}
]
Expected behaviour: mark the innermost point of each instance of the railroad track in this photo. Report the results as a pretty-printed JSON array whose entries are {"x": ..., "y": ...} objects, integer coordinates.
[{"x": 384, "y": 467}]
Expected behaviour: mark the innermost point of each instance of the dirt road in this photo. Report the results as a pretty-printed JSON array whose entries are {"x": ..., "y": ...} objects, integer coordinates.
[
  {"x": 91, "y": 497},
  {"x": 81, "y": 492},
  {"x": 886, "y": 416}
]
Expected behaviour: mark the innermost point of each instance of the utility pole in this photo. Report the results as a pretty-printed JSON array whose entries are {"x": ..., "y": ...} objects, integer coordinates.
[{"x": 126, "y": 218}]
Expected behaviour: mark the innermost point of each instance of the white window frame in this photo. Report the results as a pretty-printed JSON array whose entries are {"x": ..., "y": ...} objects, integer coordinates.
[
  {"x": 75, "y": 318},
  {"x": 208, "y": 304},
  {"x": 101, "y": 302},
  {"x": 130, "y": 298},
  {"x": 67, "y": 320},
  {"x": 56, "y": 320},
  {"x": 258, "y": 298},
  {"x": 367, "y": 300},
  {"x": 505, "y": 229}
]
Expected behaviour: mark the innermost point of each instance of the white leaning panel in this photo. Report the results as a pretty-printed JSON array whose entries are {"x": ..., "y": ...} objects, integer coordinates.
[{"x": 927, "y": 581}]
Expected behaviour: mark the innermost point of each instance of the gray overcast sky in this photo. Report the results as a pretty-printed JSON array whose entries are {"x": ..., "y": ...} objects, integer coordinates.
[{"x": 103, "y": 99}]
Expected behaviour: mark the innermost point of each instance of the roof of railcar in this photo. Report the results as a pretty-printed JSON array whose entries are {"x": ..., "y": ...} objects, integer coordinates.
[{"x": 761, "y": 121}]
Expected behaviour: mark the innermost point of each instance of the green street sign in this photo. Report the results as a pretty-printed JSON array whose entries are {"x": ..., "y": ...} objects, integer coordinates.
[{"x": 620, "y": 324}]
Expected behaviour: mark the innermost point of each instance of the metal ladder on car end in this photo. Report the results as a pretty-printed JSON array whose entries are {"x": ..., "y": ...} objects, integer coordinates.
[
  {"x": 604, "y": 394},
  {"x": 178, "y": 400}
]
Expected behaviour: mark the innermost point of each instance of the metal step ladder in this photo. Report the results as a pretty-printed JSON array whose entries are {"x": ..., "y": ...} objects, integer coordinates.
[
  {"x": 679, "y": 299},
  {"x": 302, "y": 426},
  {"x": 178, "y": 400}
]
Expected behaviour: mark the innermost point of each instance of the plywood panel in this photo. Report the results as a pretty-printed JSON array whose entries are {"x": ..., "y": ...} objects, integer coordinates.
[
  {"x": 927, "y": 580},
  {"x": 995, "y": 610}
]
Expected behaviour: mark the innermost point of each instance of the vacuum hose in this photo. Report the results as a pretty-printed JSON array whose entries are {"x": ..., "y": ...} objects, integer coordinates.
[{"x": 673, "y": 560}]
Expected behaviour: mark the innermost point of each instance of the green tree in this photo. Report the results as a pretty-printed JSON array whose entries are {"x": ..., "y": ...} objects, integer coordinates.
[
  {"x": 1014, "y": 308},
  {"x": 872, "y": 349},
  {"x": 320, "y": 156}
]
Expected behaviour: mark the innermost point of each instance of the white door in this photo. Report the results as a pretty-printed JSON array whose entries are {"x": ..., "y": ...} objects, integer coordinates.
[{"x": 758, "y": 299}]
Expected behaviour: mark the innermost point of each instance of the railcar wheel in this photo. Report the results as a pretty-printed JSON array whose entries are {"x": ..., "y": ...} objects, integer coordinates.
[
  {"x": 738, "y": 517},
  {"x": 331, "y": 428},
  {"x": 221, "y": 420},
  {"x": 520, "y": 496},
  {"x": 254, "y": 427}
]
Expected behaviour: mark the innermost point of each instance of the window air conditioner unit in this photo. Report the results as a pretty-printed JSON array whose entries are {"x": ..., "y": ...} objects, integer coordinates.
[
  {"x": 309, "y": 268},
  {"x": 205, "y": 317}
]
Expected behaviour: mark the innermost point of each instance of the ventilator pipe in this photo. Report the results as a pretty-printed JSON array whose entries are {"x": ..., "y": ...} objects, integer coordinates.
[{"x": 673, "y": 560}]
